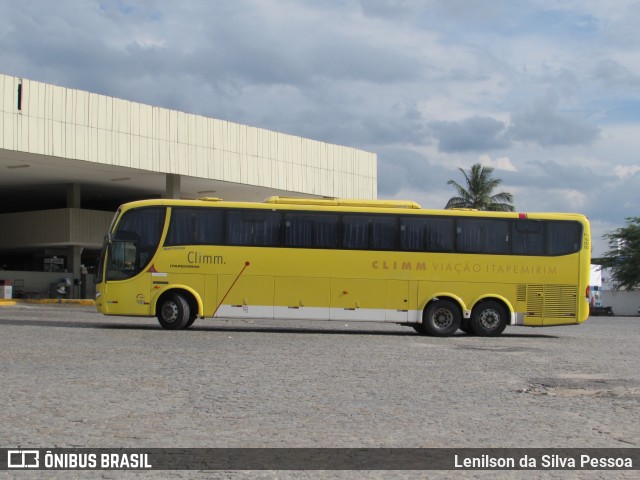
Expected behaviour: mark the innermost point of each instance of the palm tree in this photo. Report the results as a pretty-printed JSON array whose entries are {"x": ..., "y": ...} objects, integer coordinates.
[{"x": 479, "y": 191}]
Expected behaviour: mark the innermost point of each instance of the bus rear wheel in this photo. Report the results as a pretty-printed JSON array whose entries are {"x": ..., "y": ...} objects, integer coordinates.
[
  {"x": 174, "y": 312},
  {"x": 441, "y": 319},
  {"x": 489, "y": 319}
]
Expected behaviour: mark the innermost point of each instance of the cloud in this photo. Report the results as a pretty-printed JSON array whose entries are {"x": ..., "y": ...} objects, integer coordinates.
[
  {"x": 547, "y": 127},
  {"x": 402, "y": 168},
  {"x": 471, "y": 134},
  {"x": 500, "y": 163},
  {"x": 575, "y": 199},
  {"x": 553, "y": 174},
  {"x": 611, "y": 74},
  {"x": 623, "y": 171}
]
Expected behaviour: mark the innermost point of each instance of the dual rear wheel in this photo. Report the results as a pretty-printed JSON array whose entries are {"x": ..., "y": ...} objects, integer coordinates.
[
  {"x": 443, "y": 318},
  {"x": 488, "y": 319}
]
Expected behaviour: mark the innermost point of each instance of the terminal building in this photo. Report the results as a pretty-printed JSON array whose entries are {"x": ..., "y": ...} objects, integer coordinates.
[{"x": 69, "y": 158}]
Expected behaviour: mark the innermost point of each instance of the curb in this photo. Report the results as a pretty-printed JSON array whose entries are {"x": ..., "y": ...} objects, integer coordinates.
[{"x": 49, "y": 301}]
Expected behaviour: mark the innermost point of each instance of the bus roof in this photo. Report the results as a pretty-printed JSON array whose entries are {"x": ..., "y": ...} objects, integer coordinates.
[
  {"x": 342, "y": 202},
  {"x": 350, "y": 205}
]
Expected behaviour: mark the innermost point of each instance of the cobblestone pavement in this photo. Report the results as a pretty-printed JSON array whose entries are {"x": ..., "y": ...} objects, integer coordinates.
[{"x": 74, "y": 378}]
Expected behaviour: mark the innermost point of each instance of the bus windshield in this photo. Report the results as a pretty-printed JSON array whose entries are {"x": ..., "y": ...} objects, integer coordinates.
[{"x": 134, "y": 242}]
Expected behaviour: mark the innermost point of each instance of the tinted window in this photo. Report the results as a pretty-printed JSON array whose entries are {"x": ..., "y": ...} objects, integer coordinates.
[
  {"x": 528, "y": 237},
  {"x": 355, "y": 232},
  {"x": 384, "y": 233},
  {"x": 146, "y": 224},
  {"x": 135, "y": 241},
  {"x": 142, "y": 228},
  {"x": 426, "y": 234},
  {"x": 253, "y": 228},
  {"x": 563, "y": 237},
  {"x": 311, "y": 230},
  {"x": 195, "y": 226},
  {"x": 363, "y": 232},
  {"x": 479, "y": 235}
]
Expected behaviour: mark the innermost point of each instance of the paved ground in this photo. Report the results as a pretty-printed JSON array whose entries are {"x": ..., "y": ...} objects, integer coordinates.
[{"x": 73, "y": 378}]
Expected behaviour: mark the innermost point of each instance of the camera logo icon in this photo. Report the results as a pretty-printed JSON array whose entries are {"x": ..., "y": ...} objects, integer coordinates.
[{"x": 23, "y": 459}]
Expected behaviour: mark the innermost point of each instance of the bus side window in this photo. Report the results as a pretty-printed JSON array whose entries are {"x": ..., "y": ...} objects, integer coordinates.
[
  {"x": 195, "y": 226},
  {"x": 310, "y": 230},
  {"x": 438, "y": 235},
  {"x": 298, "y": 230},
  {"x": 412, "y": 236},
  {"x": 528, "y": 237},
  {"x": 384, "y": 233},
  {"x": 355, "y": 232},
  {"x": 563, "y": 238},
  {"x": 257, "y": 228},
  {"x": 369, "y": 232},
  {"x": 325, "y": 233},
  {"x": 426, "y": 234},
  {"x": 480, "y": 235}
]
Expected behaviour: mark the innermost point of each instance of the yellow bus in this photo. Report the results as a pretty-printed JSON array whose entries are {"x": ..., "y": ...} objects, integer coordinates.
[{"x": 349, "y": 260}]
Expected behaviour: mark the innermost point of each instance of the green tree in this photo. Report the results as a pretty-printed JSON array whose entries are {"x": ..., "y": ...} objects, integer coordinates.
[
  {"x": 478, "y": 192},
  {"x": 623, "y": 257}
]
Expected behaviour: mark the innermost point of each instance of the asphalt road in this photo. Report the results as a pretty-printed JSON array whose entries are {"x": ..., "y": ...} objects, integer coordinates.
[{"x": 74, "y": 378}]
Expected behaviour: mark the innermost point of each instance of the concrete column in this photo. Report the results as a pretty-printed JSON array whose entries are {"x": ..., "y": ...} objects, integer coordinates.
[
  {"x": 73, "y": 195},
  {"x": 73, "y": 252},
  {"x": 173, "y": 186},
  {"x": 73, "y": 267}
]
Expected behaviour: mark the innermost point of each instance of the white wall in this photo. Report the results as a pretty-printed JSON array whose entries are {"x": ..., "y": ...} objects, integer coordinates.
[
  {"x": 69, "y": 123},
  {"x": 624, "y": 303}
]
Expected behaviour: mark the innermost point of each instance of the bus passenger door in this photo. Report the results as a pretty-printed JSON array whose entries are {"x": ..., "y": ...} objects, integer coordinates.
[{"x": 397, "y": 309}]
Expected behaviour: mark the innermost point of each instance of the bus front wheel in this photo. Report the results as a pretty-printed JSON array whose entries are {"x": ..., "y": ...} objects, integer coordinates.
[
  {"x": 441, "y": 319},
  {"x": 489, "y": 319},
  {"x": 174, "y": 312}
]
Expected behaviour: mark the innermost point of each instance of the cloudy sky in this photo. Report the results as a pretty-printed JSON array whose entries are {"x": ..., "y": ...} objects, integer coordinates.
[{"x": 546, "y": 92}]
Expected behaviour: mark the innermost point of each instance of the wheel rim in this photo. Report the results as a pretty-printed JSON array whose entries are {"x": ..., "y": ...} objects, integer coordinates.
[
  {"x": 489, "y": 319},
  {"x": 170, "y": 312},
  {"x": 442, "y": 318}
]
